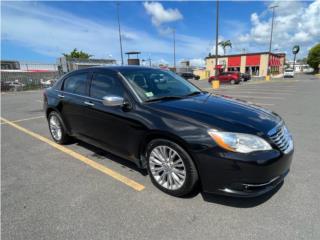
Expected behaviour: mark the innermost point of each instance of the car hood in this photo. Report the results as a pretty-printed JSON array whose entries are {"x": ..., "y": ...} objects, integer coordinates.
[{"x": 221, "y": 112}]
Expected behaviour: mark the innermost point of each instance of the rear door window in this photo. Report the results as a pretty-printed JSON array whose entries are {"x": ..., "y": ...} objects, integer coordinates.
[
  {"x": 76, "y": 84},
  {"x": 106, "y": 84}
]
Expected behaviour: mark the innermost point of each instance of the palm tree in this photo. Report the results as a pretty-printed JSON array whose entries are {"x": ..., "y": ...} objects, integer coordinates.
[{"x": 224, "y": 45}]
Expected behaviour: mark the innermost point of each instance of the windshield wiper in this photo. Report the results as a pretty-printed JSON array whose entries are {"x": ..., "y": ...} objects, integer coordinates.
[
  {"x": 163, "y": 98},
  {"x": 193, "y": 93}
]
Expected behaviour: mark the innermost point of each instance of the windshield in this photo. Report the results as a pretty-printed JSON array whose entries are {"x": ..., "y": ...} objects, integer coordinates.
[
  {"x": 151, "y": 84},
  {"x": 289, "y": 70}
]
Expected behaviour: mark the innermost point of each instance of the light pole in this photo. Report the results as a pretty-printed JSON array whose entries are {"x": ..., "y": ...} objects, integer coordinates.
[
  {"x": 295, "y": 50},
  {"x": 119, "y": 28},
  {"x": 217, "y": 33},
  {"x": 174, "y": 49},
  {"x": 270, "y": 44}
]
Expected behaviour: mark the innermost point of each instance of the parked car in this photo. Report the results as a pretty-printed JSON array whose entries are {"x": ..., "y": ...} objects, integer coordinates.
[
  {"x": 288, "y": 73},
  {"x": 188, "y": 76},
  {"x": 245, "y": 76},
  {"x": 180, "y": 134},
  {"x": 227, "y": 77},
  {"x": 15, "y": 85},
  {"x": 47, "y": 83}
]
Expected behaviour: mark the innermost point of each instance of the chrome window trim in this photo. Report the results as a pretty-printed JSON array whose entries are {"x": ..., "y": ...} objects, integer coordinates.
[
  {"x": 101, "y": 100},
  {"x": 78, "y": 95}
]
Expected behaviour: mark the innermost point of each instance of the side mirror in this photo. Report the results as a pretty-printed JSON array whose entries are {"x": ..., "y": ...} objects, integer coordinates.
[{"x": 112, "y": 101}]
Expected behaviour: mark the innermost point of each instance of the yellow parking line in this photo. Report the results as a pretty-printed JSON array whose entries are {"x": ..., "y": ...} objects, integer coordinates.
[
  {"x": 131, "y": 183},
  {"x": 24, "y": 119}
]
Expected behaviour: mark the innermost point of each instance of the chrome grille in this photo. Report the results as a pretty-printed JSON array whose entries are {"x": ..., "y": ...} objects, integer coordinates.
[{"x": 281, "y": 137}]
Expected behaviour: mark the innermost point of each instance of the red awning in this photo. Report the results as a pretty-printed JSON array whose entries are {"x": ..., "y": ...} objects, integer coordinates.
[
  {"x": 274, "y": 61},
  {"x": 234, "y": 61},
  {"x": 253, "y": 60}
]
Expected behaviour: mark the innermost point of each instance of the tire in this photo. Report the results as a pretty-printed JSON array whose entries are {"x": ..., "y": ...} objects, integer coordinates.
[
  {"x": 232, "y": 82},
  {"x": 62, "y": 137},
  {"x": 179, "y": 185}
]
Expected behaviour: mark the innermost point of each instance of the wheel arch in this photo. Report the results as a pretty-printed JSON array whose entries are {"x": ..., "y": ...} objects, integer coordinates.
[
  {"x": 65, "y": 125},
  {"x": 166, "y": 136}
]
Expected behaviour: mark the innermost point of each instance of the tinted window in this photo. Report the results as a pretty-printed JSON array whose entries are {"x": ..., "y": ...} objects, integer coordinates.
[
  {"x": 58, "y": 84},
  {"x": 155, "y": 83},
  {"x": 76, "y": 84},
  {"x": 104, "y": 84}
]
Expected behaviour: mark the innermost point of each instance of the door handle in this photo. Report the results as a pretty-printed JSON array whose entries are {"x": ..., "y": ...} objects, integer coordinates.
[
  {"x": 60, "y": 96},
  {"x": 88, "y": 103}
]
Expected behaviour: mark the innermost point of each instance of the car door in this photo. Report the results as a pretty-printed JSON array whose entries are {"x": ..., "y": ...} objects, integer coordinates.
[
  {"x": 114, "y": 128},
  {"x": 73, "y": 101},
  {"x": 222, "y": 77}
]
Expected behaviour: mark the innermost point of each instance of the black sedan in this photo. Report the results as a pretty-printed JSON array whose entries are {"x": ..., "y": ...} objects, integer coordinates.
[
  {"x": 245, "y": 76},
  {"x": 180, "y": 134},
  {"x": 188, "y": 75}
]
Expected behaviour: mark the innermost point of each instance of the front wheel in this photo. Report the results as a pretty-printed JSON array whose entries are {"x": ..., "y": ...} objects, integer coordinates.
[
  {"x": 170, "y": 168},
  {"x": 232, "y": 82}
]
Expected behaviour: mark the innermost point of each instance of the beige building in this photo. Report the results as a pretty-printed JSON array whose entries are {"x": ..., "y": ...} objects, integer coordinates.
[{"x": 254, "y": 63}]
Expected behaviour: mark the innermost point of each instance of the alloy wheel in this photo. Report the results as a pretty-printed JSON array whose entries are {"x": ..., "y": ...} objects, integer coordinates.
[
  {"x": 55, "y": 128},
  {"x": 167, "y": 167}
]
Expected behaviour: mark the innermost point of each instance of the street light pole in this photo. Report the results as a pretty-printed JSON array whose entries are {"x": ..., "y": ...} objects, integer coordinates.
[
  {"x": 174, "y": 49},
  {"x": 270, "y": 44},
  {"x": 217, "y": 33},
  {"x": 119, "y": 28}
]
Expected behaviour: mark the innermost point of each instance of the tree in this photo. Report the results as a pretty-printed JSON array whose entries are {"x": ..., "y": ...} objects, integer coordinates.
[
  {"x": 224, "y": 45},
  {"x": 314, "y": 57},
  {"x": 77, "y": 54}
]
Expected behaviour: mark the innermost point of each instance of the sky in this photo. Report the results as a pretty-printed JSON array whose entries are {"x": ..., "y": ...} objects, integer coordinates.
[{"x": 42, "y": 31}]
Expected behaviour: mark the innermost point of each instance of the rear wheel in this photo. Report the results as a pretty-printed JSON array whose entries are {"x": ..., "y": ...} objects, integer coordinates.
[
  {"x": 232, "y": 82},
  {"x": 57, "y": 129},
  {"x": 170, "y": 167}
]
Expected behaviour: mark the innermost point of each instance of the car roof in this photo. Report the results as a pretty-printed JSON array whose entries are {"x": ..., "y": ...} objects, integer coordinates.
[{"x": 121, "y": 68}]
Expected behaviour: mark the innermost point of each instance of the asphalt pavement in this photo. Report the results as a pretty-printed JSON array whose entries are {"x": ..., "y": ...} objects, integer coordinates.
[{"x": 74, "y": 193}]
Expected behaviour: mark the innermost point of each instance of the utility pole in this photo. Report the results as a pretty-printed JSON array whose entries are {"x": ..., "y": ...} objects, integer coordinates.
[
  {"x": 174, "y": 49},
  {"x": 270, "y": 44},
  {"x": 149, "y": 61},
  {"x": 119, "y": 28},
  {"x": 217, "y": 33}
]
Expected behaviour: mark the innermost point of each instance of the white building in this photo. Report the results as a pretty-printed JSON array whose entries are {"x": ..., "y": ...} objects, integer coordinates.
[{"x": 300, "y": 67}]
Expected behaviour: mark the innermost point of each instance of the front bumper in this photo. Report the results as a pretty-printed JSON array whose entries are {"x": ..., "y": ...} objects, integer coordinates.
[{"x": 243, "y": 175}]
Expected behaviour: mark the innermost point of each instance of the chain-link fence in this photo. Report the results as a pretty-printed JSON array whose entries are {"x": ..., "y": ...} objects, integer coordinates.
[
  {"x": 26, "y": 75},
  {"x": 18, "y": 80}
]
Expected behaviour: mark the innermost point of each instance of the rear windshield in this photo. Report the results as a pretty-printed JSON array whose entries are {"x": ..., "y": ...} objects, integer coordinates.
[{"x": 289, "y": 70}]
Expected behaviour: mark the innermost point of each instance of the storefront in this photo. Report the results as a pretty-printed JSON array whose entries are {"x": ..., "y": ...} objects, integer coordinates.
[{"x": 254, "y": 63}]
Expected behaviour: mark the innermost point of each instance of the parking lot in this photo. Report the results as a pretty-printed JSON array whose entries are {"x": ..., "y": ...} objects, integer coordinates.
[{"x": 81, "y": 192}]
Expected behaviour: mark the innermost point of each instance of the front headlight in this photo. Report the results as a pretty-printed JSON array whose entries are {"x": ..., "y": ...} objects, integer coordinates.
[{"x": 239, "y": 142}]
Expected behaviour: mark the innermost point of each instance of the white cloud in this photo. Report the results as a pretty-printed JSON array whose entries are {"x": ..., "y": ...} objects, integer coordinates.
[
  {"x": 295, "y": 23},
  {"x": 51, "y": 32},
  {"x": 161, "y": 15}
]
